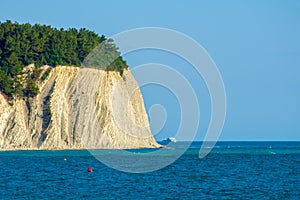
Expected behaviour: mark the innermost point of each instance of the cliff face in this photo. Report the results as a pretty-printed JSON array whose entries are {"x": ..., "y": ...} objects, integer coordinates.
[{"x": 78, "y": 108}]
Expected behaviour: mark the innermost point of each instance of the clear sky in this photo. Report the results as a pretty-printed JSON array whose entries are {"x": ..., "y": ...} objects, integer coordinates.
[{"x": 255, "y": 44}]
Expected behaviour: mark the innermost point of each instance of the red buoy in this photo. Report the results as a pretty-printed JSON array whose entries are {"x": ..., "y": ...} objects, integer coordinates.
[{"x": 90, "y": 169}]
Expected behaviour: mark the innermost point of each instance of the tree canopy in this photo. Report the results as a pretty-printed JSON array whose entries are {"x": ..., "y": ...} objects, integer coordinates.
[{"x": 24, "y": 44}]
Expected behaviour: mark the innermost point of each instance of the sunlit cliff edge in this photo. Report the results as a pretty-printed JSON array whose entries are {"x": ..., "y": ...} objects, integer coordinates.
[{"x": 78, "y": 108}]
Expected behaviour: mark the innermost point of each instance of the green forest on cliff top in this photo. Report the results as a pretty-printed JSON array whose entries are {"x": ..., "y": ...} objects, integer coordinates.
[{"x": 25, "y": 44}]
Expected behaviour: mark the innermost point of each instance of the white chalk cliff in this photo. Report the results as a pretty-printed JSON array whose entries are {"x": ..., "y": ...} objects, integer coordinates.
[{"x": 78, "y": 108}]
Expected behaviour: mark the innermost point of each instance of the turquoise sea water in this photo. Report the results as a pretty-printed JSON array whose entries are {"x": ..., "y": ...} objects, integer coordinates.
[{"x": 233, "y": 170}]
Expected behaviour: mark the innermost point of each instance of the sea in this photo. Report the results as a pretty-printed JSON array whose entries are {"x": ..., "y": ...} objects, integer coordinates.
[{"x": 232, "y": 170}]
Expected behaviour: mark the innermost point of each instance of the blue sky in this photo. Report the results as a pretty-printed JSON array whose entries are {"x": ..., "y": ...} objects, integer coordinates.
[{"x": 255, "y": 44}]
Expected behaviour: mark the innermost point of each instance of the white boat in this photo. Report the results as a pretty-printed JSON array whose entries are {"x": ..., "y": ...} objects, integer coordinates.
[
  {"x": 172, "y": 139},
  {"x": 168, "y": 141}
]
